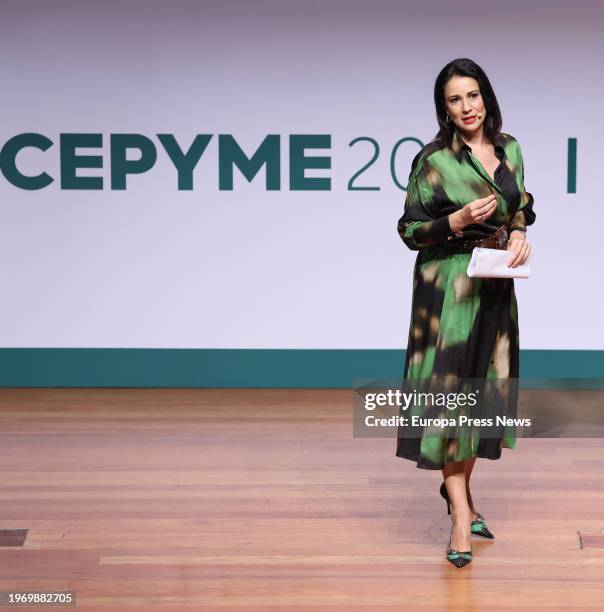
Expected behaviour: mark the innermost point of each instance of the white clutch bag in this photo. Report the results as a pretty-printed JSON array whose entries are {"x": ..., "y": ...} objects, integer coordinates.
[{"x": 493, "y": 263}]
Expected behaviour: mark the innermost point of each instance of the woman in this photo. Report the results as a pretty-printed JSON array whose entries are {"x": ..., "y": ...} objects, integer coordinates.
[{"x": 466, "y": 189}]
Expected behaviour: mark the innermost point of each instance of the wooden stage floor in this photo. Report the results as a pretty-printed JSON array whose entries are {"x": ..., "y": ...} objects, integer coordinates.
[{"x": 210, "y": 499}]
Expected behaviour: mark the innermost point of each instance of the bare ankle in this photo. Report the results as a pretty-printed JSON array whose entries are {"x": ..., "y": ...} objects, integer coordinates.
[{"x": 461, "y": 515}]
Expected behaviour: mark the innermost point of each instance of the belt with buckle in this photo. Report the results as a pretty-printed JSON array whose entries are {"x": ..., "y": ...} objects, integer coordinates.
[{"x": 497, "y": 240}]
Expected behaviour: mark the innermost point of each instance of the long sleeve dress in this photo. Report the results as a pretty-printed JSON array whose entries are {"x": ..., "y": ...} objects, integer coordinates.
[{"x": 461, "y": 327}]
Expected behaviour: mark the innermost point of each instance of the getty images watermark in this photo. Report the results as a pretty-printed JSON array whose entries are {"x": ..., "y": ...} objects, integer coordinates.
[
  {"x": 397, "y": 398},
  {"x": 491, "y": 408}
]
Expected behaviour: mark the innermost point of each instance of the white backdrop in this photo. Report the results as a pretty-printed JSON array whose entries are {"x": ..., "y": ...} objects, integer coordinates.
[{"x": 156, "y": 267}]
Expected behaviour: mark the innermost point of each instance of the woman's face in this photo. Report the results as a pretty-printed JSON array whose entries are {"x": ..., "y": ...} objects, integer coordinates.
[{"x": 464, "y": 100}]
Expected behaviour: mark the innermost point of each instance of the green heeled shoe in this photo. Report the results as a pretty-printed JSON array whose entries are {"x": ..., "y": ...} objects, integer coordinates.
[
  {"x": 478, "y": 527},
  {"x": 458, "y": 558}
]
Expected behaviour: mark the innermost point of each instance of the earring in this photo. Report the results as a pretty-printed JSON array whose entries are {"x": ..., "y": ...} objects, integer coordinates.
[{"x": 448, "y": 119}]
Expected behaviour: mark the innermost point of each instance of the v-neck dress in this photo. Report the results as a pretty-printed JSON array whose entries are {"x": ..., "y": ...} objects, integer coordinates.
[{"x": 461, "y": 327}]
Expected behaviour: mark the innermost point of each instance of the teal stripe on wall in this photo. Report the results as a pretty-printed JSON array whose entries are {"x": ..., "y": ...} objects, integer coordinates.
[
  {"x": 571, "y": 172},
  {"x": 337, "y": 368}
]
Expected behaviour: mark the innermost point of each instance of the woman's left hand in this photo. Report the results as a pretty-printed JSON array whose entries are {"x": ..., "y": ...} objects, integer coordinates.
[{"x": 520, "y": 248}]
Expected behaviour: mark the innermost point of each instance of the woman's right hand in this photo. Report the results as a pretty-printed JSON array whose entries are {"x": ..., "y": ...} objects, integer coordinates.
[
  {"x": 479, "y": 210},
  {"x": 474, "y": 212}
]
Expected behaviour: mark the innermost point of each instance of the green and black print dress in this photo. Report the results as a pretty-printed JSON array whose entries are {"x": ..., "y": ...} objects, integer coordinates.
[{"x": 461, "y": 327}]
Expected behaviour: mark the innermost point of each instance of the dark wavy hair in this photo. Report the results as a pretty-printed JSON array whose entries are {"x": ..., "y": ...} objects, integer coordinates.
[{"x": 464, "y": 66}]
